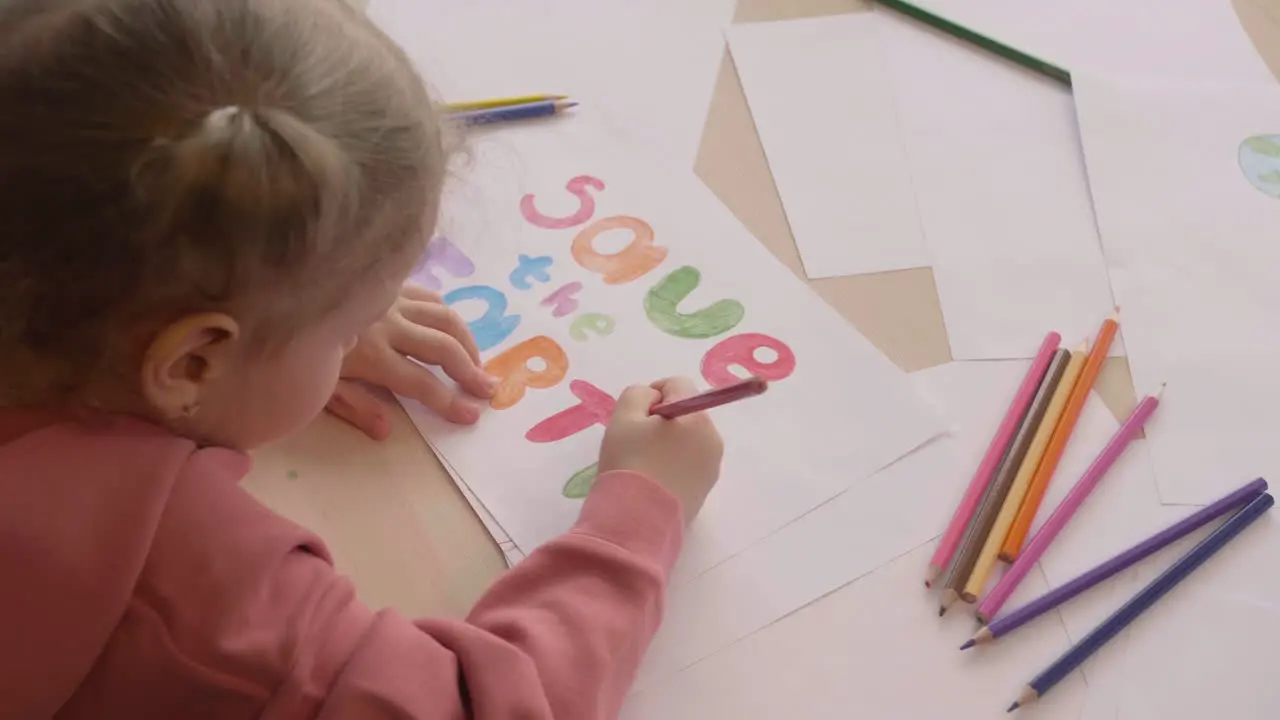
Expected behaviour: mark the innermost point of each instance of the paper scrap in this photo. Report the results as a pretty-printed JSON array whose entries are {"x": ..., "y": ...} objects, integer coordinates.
[{"x": 820, "y": 97}]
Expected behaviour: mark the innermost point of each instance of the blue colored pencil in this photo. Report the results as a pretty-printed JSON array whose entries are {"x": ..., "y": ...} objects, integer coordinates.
[
  {"x": 509, "y": 113},
  {"x": 1121, "y": 618}
]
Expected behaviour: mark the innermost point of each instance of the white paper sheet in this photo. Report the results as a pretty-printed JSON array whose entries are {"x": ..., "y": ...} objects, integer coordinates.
[
  {"x": 891, "y": 513},
  {"x": 1185, "y": 39},
  {"x": 1193, "y": 255},
  {"x": 874, "y": 649},
  {"x": 1002, "y": 194},
  {"x": 837, "y": 411},
  {"x": 833, "y": 147},
  {"x": 511, "y": 553},
  {"x": 646, "y": 70},
  {"x": 1210, "y": 647}
]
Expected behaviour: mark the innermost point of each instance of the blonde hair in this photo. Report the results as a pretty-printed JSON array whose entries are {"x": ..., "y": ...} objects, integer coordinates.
[{"x": 163, "y": 157}]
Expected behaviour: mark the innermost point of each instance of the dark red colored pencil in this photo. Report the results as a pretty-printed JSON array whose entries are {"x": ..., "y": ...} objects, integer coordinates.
[{"x": 711, "y": 398}]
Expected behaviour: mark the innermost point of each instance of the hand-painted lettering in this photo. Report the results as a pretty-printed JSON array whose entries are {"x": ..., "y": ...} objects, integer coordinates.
[
  {"x": 595, "y": 406},
  {"x": 663, "y": 299},
  {"x": 580, "y": 484},
  {"x": 637, "y": 258},
  {"x": 513, "y": 368},
  {"x": 594, "y": 323},
  {"x": 530, "y": 267},
  {"x": 586, "y": 205},
  {"x": 562, "y": 302},
  {"x": 441, "y": 254},
  {"x": 494, "y": 325},
  {"x": 740, "y": 351}
]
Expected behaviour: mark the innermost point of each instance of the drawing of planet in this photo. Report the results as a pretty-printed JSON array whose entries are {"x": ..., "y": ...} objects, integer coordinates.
[{"x": 1260, "y": 161}]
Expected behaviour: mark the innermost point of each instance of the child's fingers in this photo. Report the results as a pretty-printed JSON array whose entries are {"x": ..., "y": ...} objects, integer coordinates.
[
  {"x": 356, "y": 405},
  {"x": 438, "y": 348},
  {"x": 636, "y": 401},
  {"x": 411, "y": 380},
  {"x": 413, "y": 291},
  {"x": 440, "y": 317},
  {"x": 675, "y": 388}
]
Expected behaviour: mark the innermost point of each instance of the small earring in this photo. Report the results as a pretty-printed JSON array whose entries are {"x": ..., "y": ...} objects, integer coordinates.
[{"x": 190, "y": 409}]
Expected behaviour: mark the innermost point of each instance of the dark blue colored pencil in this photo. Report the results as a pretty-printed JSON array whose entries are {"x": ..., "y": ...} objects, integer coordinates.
[
  {"x": 1176, "y": 573},
  {"x": 513, "y": 112}
]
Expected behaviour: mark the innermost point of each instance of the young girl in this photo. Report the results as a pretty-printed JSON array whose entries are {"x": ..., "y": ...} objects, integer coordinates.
[{"x": 207, "y": 210}]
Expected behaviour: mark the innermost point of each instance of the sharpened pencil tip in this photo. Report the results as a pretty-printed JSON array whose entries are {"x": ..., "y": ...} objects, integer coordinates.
[
  {"x": 942, "y": 611},
  {"x": 968, "y": 644},
  {"x": 1013, "y": 707}
]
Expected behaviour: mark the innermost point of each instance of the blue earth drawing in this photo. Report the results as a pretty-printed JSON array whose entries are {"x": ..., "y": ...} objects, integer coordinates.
[{"x": 1260, "y": 161}]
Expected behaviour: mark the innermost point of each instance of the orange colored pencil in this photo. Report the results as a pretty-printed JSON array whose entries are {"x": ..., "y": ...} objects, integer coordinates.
[{"x": 1058, "y": 443}]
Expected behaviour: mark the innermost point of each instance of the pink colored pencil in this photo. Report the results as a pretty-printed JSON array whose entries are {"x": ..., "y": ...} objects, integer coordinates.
[
  {"x": 987, "y": 468},
  {"x": 1070, "y": 504},
  {"x": 711, "y": 398}
]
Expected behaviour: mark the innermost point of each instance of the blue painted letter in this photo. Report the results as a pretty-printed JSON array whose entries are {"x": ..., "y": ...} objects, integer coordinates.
[
  {"x": 530, "y": 267},
  {"x": 495, "y": 325}
]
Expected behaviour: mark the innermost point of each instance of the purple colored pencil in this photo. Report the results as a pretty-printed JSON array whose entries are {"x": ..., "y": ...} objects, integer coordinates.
[
  {"x": 1128, "y": 558},
  {"x": 1139, "y": 603}
]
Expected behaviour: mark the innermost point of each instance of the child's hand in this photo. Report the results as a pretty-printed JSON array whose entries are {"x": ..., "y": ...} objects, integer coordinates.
[
  {"x": 683, "y": 454},
  {"x": 419, "y": 326}
]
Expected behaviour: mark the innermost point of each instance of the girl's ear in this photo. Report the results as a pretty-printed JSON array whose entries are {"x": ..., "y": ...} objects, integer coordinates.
[{"x": 184, "y": 358}]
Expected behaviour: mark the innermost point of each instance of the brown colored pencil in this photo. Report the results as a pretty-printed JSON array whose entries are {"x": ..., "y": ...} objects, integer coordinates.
[{"x": 976, "y": 534}]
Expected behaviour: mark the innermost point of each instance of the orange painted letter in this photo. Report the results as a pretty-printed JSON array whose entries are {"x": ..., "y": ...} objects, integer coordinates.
[
  {"x": 513, "y": 368},
  {"x": 637, "y": 258}
]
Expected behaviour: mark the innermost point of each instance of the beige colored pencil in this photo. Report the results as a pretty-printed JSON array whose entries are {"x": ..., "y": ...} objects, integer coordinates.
[
  {"x": 995, "y": 493},
  {"x": 990, "y": 552}
]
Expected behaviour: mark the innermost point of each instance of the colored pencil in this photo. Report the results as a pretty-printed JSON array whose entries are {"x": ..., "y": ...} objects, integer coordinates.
[
  {"x": 527, "y": 111},
  {"x": 991, "y": 546},
  {"x": 980, "y": 526},
  {"x": 491, "y": 103},
  {"x": 995, "y": 47},
  {"x": 711, "y": 398},
  {"x": 1058, "y": 443},
  {"x": 986, "y": 471},
  {"x": 1139, "y": 603},
  {"x": 1123, "y": 561},
  {"x": 1070, "y": 504}
]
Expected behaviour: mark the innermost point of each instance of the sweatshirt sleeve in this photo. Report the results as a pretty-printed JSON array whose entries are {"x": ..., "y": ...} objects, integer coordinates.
[{"x": 561, "y": 635}]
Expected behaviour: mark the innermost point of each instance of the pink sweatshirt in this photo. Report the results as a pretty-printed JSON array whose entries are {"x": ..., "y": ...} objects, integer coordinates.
[{"x": 138, "y": 580}]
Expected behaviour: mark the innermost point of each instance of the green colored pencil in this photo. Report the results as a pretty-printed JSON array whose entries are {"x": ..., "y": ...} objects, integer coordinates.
[{"x": 996, "y": 47}]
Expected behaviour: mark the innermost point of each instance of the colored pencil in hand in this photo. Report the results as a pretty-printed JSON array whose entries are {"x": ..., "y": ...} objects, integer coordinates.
[
  {"x": 469, "y": 105},
  {"x": 995, "y": 493},
  {"x": 986, "y": 472},
  {"x": 711, "y": 398},
  {"x": 510, "y": 113},
  {"x": 1070, "y": 504},
  {"x": 1125, "y": 560},
  {"x": 1058, "y": 443},
  {"x": 1147, "y": 597},
  {"x": 977, "y": 581}
]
